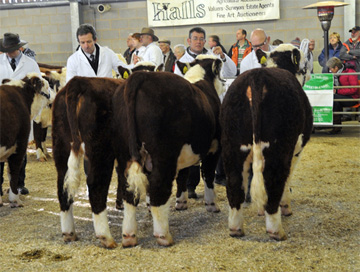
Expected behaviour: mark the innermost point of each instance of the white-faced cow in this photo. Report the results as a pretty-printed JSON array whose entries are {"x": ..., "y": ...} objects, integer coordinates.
[
  {"x": 266, "y": 120},
  {"x": 172, "y": 124},
  {"x": 21, "y": 101}
]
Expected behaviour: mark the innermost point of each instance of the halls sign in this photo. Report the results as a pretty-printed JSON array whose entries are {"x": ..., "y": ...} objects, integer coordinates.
[{"x": 198, "y": 12}]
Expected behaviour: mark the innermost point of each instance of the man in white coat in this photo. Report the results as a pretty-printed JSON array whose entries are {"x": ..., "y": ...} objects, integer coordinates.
[
  {"x": 15, "y": 65},
  {"x": 91, "y": 59},
  {"x": 196, "y": 43},
  {"x": 152, "y": 52},
  {"x": 259, "y": 40}
]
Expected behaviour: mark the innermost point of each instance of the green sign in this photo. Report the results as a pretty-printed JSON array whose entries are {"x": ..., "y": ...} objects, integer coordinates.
[{"x": 319, "y": 90}]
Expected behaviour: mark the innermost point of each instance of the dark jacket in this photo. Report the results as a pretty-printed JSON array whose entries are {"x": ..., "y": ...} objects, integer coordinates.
[
  {"x": 332, "y": 53},
  {"x": 169, "y": 65},
  {"x": 354, "y": 50}
]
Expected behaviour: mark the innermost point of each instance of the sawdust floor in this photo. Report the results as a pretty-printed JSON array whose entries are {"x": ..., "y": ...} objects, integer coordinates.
[{"x": 323, "y": 232}]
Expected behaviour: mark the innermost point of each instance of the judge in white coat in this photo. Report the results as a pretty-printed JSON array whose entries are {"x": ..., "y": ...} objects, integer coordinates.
[
  {"x": 15, "y": 65},
  {"x": 196, "y": 43},
  {"x": 91, "y": 59},
  {"x": 152, "y": 52}
]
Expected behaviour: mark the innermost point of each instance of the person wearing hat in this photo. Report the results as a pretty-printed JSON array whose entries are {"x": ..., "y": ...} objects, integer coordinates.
[
  {"x": 15, "y": 65},
  {"x": 27, "y": 51},
  {"x": 152, "y": 52},
  {"x": 168, "y": 55},
  {"x": 350, "y": 52},
  {"x": 91, "y": 59}
]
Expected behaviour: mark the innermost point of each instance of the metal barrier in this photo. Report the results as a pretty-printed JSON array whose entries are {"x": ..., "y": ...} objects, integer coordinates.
[{"x": 357, "y": 112}]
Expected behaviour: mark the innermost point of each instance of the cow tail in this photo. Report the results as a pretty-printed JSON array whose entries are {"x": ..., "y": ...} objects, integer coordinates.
[
  {"x": 255, "y": 93},
  {"x": 136, "y": 179}
]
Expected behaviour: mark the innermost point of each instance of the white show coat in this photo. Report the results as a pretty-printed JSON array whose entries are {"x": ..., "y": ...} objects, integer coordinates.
[
  {"x": 228, "y": 70},
  {"x": 153, "y": 54},
  {"x": 78, "y": 64},
  {"x": 251, "y": 61},
  {"x": 26, "y": 65}
]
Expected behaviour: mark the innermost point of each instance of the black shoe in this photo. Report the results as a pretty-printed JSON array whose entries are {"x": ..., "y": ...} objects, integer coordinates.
[
  {"x": 192, "y": 194},
  {"x": 221, "y": 182},
  {"x": 23, "y": 190}
]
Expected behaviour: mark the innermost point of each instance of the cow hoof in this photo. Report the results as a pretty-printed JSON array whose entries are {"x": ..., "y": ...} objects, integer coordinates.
[
  {"x": 237, "y": 233},
  {"x": 278, "y": 236},
  {"x": 119, "y": 205},
  {"x": 107, "y": 242},
  {"x": 261, "y": 212},
  {"x": 164, "y": 240},
  {"x": 70, "y": 237},
  {"x": 212, "y": 207},
  {"x": 129, "y": 240},
  {"x": 181, "y": 206},
  {"x": 286, "y": 210},
  {"x": 15, "y": 204}
]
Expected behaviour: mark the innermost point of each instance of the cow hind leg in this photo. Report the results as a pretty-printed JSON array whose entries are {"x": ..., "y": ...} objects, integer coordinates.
[
  {"x": 274, "y": 226},
  {"x": 102, "y": 229},
  {"x": 160, "y": 216},
  {"x": 14, "y": 164},
  {"x": 181, "y": 193},
  {"x": 129, "y": 231},
  {"x": 68, "y": 225},
  {"x": 208, "y": 167}
]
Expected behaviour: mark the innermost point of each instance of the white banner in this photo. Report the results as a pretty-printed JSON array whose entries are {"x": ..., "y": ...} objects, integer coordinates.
[{"x": 198, "y": 12}]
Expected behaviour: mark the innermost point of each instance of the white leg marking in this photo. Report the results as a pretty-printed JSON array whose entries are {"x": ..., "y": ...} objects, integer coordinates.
[
  {"x": 14, "y": 199},
  {"x": 67, "y": 221},
  {"x": 274, "y": 226},
  {"x": 258, "y": 192},
  {"x": 161, "y": 224},
  {"x": 40, "y": 156},
  {"x": 129, "y": 222},
  {"x": 236, "y": 220},
  {"x": 101, "y": 225},
  {"x": 187, "y": 157},
  {"x": 181, "y": 202},
  {"x": 72, "y": 177},
  {"x": 210, "y": 199}
]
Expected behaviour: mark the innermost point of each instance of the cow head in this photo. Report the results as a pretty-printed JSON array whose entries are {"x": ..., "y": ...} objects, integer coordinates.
[
  {"x": 204, "y": 67},
  {"x": 288, "y": 57},
  {"x": 140, "y": 66},
  {"x": 40, "y": 88}
]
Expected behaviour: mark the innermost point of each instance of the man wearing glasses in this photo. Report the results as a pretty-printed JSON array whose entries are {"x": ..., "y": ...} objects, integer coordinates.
[
  {"x": 259, "y": 40},
  {"x": 350, "y": 52},
  {"x": 196, "y": 41}
]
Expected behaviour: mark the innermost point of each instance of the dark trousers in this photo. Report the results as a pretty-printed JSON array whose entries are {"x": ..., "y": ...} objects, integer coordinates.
[
  {"x": 338, "y": 106},
  {"x": 194, "y": 177},
  {"x": 21, "y": 182}
]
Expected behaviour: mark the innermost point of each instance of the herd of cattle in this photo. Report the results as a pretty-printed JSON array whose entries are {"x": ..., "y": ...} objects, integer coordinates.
[{"x": 154, "y": 125}]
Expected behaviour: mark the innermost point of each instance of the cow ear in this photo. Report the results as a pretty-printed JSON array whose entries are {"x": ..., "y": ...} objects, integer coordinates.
[
  {"x": 6, "y": 80},
  {"x": 159, "y": 68},
  {"x": 184, "y": 67},
  {"x": 216, "y": 67},
  {"x": 261, "y": 56},
  {"x": 36, "y": 83},
  {"x": 296, "y": 57},
  {"x": 124, "y": 72}
]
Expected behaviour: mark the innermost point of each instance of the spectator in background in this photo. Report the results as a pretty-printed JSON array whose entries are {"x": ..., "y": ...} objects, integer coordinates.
[
  {"x": 15, "y": 65},
  {"x": 91, "y": 59},
  {"x": 350, "y": 52},
  {"x": 336, "y": 66},
  {"x": 296, "y": 42},
  {"x": 240, "y": 49},
  {"x": 179, "y": 51},
  {"x": 139, "y": 49},
  {"x": 27, "y": 51},
  {"x": 214, "y": 41},
  {"x": 168, "y": 55},
  {"x": 335, "y": 46},
  {"x": 152, "y": 52},
  {"x": 130, "y": 50},
  {"x": 259, "y": 40},
  {"x": 277, "y": 42}
]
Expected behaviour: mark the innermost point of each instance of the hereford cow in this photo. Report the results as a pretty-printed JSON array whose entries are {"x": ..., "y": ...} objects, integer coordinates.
[
  {"x": 21, "y": 101},
  {"x": 43, "y": 121},
  {"x": 172, "y": 124},
  {"x": 266, "y": 120}
]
